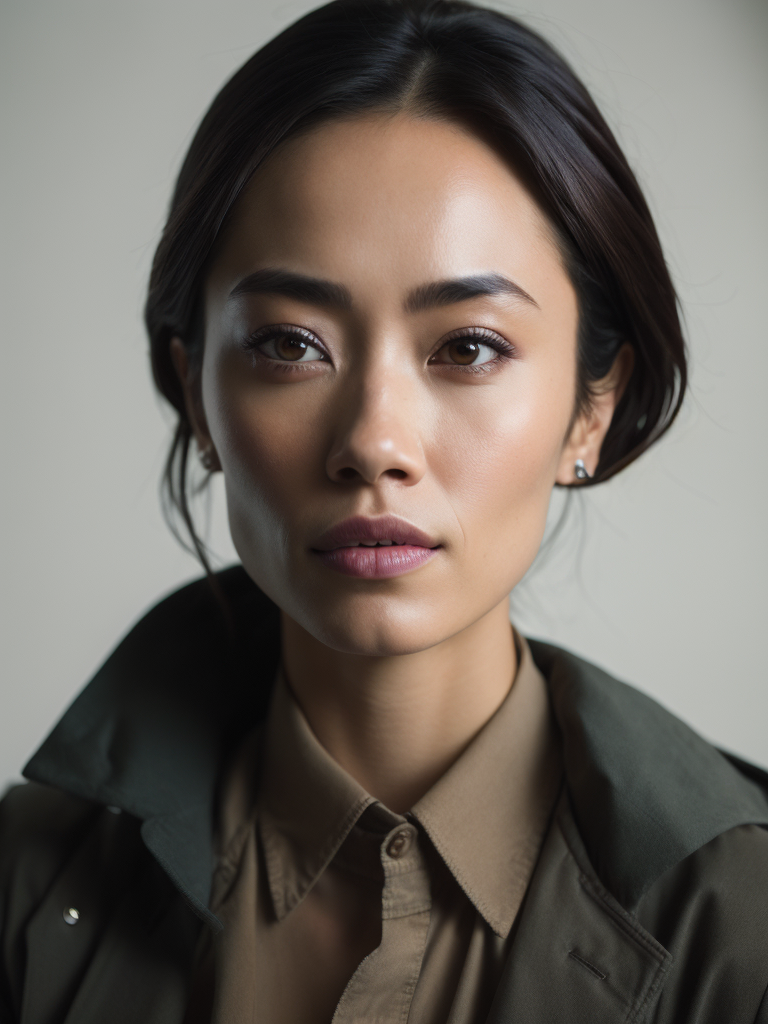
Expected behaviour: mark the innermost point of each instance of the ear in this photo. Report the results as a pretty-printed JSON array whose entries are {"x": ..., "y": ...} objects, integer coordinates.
[
  {"x": 589, "y": 430},
  {"x": 193, "y": 403}
]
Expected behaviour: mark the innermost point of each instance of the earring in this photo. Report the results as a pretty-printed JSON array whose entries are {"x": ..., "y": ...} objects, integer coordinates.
[
  {"x": 207, "y": 458},
  {"x": 580, "y": 470}
]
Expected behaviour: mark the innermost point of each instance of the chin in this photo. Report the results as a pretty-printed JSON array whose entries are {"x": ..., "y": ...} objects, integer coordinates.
[{"x": 373, "y": 626}]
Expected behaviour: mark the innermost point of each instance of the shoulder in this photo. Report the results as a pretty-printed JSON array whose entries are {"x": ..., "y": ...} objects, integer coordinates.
[
  {"x": 723, "y": 883},
  {"x": 711, "y": 912},
  {"x": 674, "y": 828},
  {"x": 647, "y": 790}
]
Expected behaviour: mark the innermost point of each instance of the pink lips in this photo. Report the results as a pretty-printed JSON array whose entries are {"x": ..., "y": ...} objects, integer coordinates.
[{"x": 410, "y": 547}]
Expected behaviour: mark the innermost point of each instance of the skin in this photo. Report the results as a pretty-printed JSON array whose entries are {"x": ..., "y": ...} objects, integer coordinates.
[{"x": 395, "y": 676}]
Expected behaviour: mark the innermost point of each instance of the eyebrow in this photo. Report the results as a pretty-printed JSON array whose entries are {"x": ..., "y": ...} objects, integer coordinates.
[
  {"x": 318, "y": 292},
  {"x": 458, "y": 289},
  {"x": 294, "y": 286}
]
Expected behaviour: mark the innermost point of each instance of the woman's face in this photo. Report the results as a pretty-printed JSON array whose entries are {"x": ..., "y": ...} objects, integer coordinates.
[{"x": 427, "y": 371}]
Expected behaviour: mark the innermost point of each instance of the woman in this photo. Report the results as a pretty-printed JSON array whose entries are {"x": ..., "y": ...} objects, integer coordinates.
[{"x": 408, "y": 284}]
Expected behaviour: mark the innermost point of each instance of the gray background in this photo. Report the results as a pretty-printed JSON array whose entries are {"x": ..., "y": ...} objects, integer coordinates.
[{"x": 659, "y": 576}]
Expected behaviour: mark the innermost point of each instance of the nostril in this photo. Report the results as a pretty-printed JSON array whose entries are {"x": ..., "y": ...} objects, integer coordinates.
[
  {"x": 359, "y": 462},
  {"x": 350, "y": 473}
]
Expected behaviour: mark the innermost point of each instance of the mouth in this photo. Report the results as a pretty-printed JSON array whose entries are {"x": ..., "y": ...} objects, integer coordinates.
[{"x": 375, "y": 548}]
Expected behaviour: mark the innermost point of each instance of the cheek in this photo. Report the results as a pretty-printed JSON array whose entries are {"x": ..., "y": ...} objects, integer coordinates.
[
  {"x": 270, "y": 446},
  {"x": 497, "y": 462}
]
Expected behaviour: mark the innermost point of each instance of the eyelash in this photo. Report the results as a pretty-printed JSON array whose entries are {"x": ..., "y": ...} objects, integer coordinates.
[
  {"x": 504, "y": 349},
  {"x": 260, "y": 337},
  {"x": 264, "y": 334}
]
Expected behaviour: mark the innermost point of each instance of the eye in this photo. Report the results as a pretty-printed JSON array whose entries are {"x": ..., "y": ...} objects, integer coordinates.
[
  {"x": 472, "y": 347},
  {"x": 286, "y": 345},
  {"x": 465, "y": 351}
]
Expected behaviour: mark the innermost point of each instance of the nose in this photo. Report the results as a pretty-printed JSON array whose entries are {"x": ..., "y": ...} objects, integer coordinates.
[{"x": 377, "y": 435}]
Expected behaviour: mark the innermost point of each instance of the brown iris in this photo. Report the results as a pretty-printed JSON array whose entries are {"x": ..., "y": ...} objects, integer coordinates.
[
  {"x": 463, "y": 351},
  {"x": 291, "y": 347}
]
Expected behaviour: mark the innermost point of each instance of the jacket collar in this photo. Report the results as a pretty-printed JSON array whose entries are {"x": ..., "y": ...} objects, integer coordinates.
[
  {"x": 150, "y": 730},
  {"x": 646, "y": 790}
]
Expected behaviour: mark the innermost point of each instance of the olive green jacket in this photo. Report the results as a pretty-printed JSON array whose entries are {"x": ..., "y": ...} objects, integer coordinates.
[{"x": 649, "y": 901}]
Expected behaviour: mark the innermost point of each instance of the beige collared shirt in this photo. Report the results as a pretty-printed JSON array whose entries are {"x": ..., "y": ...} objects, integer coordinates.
[{"x": 336, "y": 909}]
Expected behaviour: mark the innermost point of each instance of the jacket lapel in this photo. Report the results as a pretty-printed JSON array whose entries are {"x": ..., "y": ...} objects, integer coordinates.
[
  {"x": 578, "y": 956},
  {"x": 141, "y": 966}
]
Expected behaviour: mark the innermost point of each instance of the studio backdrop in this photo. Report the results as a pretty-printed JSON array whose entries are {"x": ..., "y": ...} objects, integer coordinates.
[{"x": 658, "y": 575}]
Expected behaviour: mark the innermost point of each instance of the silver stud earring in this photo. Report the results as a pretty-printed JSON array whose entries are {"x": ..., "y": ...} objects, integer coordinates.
[
  {"x": 207, "y": 458},
  {"x": 580, "y": 470}
]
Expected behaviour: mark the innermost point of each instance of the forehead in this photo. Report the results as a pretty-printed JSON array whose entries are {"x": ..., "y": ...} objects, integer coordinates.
[{"x": 393, "y": 197}]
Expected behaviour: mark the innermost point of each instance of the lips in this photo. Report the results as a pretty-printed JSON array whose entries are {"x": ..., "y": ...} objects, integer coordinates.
[
  {"x": 375, "y": 548},
  {"x": 362, "y": 530}
]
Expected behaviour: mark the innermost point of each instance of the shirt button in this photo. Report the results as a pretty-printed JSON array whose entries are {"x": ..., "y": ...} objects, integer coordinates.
[
  {"x": 71, "y": 915},
  {"x": 400, "y": 843}
]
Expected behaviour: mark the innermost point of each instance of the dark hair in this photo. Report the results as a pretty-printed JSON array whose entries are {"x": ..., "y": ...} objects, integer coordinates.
[{"x": 455, "y": 61}]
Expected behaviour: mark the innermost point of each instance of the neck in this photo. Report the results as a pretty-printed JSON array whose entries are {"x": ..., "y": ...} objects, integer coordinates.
[{"x": 396, "y": 724}]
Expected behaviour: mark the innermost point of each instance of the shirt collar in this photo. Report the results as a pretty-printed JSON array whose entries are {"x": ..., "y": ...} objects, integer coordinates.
[
  {"x": 307, "y": 805},
  {"x": 486, "y": 816},
  {"x": 488, "y": 813}
]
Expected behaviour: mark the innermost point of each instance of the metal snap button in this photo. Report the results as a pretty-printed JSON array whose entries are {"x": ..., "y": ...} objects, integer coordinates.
[
  {"x": 71, "y": 915},
  {"x": 399, "y": 844}
]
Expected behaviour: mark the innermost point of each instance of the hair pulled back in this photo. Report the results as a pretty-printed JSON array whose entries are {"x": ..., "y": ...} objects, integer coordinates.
[{"x": 452, "y": 60}]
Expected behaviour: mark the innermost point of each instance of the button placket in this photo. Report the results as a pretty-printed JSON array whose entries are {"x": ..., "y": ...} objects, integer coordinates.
[
  {"x": 406, "y": 880},
  {"x": 405, "y": 911}
]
